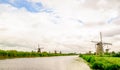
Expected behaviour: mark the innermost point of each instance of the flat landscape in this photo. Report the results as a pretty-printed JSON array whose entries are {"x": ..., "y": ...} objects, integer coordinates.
[{"x": 59, "y": 34}]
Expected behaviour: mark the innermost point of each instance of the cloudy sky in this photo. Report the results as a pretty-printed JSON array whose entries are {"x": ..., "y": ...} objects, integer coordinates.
[{"x": 66, "y": 25}]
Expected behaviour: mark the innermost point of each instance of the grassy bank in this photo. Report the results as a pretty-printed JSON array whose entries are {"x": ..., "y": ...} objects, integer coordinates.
[
  {"x": 102, "y": 63},
  {"x": 19, "y": 54}
]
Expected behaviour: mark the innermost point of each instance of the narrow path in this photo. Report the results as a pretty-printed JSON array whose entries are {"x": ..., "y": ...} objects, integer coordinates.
[{"x": 44, "y": 63}]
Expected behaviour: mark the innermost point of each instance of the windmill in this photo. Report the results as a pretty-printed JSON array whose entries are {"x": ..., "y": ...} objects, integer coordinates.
[
  {"x": 107, "y": 49},
  {"x": 99, "y": 45},
  {"x": 39, "y": 49},
  {"x": 55, "y": 51},
  {"x": 60, "y": 52}
]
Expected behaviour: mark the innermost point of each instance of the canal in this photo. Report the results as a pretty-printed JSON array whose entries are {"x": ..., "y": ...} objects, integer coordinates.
[{"x": 44, "y": 63}]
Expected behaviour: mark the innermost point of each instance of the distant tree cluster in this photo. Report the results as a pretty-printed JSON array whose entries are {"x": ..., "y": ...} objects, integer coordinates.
[
  {"x": 14, "y": 53},
  {"x": 115, "y": 54}
]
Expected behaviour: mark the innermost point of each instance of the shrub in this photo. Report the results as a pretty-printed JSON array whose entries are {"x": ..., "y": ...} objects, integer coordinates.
[
  {"x": 97, "y": 65},
  {"x": 102, "y": 63}
]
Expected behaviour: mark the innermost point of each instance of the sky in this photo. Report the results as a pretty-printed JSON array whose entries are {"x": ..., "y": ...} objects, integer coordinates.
[{"x": 62, "y": 25}]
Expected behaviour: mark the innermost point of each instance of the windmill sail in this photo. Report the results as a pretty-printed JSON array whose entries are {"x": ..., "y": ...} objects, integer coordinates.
[{"x": 101, "y": 37}]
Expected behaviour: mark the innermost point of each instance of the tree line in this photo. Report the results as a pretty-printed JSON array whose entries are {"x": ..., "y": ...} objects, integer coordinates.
[{"x": 14, "y": 53}]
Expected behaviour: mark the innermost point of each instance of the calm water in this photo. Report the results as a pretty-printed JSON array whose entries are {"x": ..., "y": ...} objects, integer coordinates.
[{"x": 44, "y": 63}]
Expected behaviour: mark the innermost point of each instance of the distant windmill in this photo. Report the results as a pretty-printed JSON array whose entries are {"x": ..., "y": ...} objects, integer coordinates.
[
  {"x": 55, "y": 51},
  {"x": 60, "y": 52},
  {"x": 107, "y": 49},
  {"x": 39, "y": 49},
  {"x": 99, "y": 45}
]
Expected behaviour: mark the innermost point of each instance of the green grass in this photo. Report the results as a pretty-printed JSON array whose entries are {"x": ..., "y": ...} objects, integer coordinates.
[
  {"x": 102, "y": 63},
  {"x": 16, "y": 54},
  {"x": 115, "y": 60}
]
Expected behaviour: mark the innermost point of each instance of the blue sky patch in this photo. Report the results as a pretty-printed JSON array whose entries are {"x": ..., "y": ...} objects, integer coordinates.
[
  {"x": 32, "y": 7},
  {"x": 112, "y": 19}
]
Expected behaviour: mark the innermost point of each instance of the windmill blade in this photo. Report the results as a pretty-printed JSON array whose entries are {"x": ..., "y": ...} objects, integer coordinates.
[
  {"x": 40, "y": 47},
  {"x": 100, "y": 36},
  {"x": 107, "y": 43},
  {"x": 95, "y": 41}
]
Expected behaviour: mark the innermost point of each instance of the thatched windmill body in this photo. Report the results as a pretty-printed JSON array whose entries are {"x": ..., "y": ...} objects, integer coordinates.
[{"x": 99, "y": 45}]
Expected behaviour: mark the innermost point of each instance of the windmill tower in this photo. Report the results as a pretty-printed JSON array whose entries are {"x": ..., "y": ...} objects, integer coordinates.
[
  {"x": 60, "y": 52},
  {"x": 55, "y": 51},
  {"x": 99, "y": 45},
  {"x": 39, "y": 49},
  {"x": 107, "y": 49}
]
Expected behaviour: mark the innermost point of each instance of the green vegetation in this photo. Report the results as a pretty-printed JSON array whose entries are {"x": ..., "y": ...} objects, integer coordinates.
[
  {"x": 105, "y": 62},
  {"x": 14, "y": 54},
  {"x": 113, "y": 54}
]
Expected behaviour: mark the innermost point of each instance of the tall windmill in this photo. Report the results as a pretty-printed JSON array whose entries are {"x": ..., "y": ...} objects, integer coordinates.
[
  {"x": 39, "y": 49},
  {"x": 99, "y": 45}
]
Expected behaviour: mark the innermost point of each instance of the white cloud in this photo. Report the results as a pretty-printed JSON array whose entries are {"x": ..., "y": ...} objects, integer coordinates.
[
  {"x": 76, "y": 9},
  {"x": 71, "y": 26}
]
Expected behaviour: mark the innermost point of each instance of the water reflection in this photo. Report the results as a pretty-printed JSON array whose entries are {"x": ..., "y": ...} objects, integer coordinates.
[{"x": 44, "y": 63}]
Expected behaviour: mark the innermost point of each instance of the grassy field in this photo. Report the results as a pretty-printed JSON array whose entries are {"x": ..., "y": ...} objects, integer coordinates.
[{"x": 102, "y": 63}]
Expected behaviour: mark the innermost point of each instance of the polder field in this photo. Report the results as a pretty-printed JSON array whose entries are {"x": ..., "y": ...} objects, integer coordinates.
[{"x": 105, "y": 62}]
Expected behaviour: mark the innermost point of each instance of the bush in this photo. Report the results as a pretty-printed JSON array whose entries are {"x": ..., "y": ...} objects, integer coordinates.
[
  {"x": 113, "y": 67},
  {"x": 116, "y": 54},
  {"x": 97, "y": 65},
  {"x": 102, "y": 63}
]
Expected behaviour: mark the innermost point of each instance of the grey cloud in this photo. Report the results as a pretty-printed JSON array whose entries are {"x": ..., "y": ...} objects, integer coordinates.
[
  {"x": 117, "y": 38},
  {"x": 10, "y": 44},
  {"x": 115, "y": 20},
  {"x": 3, "y": 29},
  {"x": 112, "y": 33},
  {"x": 90, "y": 3},
  {"x": 93, "y": 24},
  {"x": 102, "y": 4},
  {"x": 15, "y": 43}
]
